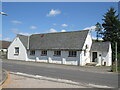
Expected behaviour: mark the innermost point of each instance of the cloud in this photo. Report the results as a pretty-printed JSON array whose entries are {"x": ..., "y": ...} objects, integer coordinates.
[
  {"x": 95, "y": 38},
  {"x": 92, "y": 28},
  {"x": 64, "y": 25},
  {"x": 27, "y": 34},
  {"x": 54, "y": 24},
  {"x": 16, "y": 22},
  {"x": 36, "y": 33},
  {"x": 15, "y": 30},
  {"x": 53, "y": 12},
  {"x": 63, "y": 30},
  {"x": 52, "y": 30},
  {"x": 6, "y": 38},
  {"x": 33, "y": 27}
]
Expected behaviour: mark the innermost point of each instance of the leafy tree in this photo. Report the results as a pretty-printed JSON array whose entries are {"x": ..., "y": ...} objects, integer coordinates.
[{"x": 111, "y": 30}]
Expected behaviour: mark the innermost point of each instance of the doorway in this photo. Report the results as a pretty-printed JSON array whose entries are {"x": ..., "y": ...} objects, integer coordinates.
[{"x": 94, "y": 56}]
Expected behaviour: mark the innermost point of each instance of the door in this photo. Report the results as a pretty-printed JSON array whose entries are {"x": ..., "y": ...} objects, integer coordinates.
[{"x": 94, "y": 56}]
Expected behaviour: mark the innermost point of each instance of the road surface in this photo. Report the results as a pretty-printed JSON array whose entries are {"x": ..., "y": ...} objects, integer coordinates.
[{"x": 106, "y": 79}]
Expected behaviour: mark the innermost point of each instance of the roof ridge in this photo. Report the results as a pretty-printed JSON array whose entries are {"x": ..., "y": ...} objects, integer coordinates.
[
  {"x": 21, "y": 35},
  {"x": 60, "y": 32},
  {"x": 4, "y": 41},
  {"x": 102, "y": 42}
]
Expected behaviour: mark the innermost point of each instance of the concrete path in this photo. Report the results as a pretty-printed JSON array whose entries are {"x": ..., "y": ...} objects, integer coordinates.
[
  {"x": 16, "y": 81},
  {"x": 3, "y": 76}
]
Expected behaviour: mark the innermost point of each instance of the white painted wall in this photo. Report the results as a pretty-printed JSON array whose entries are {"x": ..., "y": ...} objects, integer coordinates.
[
  {"x": 108, "y": 58},
  {"x": 22, "y": 50},
  {"x": 86, "y": 59},
  {"x": 80, "y": 59},
  {"x": 63, "y": 59},
  {"x": 99, "y": 58},
  {"x": 105, "y": 57}
]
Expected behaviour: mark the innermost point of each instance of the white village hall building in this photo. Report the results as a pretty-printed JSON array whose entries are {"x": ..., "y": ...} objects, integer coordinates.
[{"x": 75, "y": 48}]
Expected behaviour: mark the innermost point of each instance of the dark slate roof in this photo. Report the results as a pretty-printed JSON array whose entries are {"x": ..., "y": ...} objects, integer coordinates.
[
  {"x": 4, "y": 44},
  {"x": 100, "y": 46},
  {"x": 23, "y": 39},
  {"x": 60, "y": 40}
]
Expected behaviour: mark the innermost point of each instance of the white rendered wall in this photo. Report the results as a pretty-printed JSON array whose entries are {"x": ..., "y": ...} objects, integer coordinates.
[
  {"x": 63, "y": 59},
  {"x": 86, "y": 58},
  {"x": 108, "y": 58},
  {"x": 80, "y": 59},
  {"x": 105, "y": 57},
  {"x": 22, "y": 50},
  {"x": 99, "y": 58}
]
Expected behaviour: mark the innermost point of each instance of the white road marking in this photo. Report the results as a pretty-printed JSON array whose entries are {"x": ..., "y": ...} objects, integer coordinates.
[{"x": 99, "y": 86}]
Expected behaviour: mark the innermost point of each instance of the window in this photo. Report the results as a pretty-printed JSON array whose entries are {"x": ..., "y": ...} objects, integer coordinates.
[
  {"x": 84, "y": 52},
  {"x": 57, "y": 53},
  {"x": 44, "y": 53},
  {"x": 72, "y": 53},
  {"x": 86, "y": 47},
  {"x": 16, "y": 50},
  {"x": 32, "y": 52}
]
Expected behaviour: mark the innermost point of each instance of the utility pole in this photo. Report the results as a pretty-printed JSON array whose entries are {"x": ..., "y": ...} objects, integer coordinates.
[{"x": 116, "y": 55}]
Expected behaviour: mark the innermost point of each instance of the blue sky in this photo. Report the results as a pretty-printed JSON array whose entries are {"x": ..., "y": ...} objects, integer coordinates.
[{"x": 45, "y": 17}]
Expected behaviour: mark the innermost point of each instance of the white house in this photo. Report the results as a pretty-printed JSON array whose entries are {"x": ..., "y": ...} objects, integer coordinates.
[
  {"x": 75, "y": 48},
  {"x": 3, "y": 48}
]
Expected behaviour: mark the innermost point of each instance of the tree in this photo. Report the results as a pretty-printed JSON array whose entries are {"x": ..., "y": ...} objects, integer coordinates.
[
  {"x": 98, "y": 30},
  {"x": 111, "y": 30}
]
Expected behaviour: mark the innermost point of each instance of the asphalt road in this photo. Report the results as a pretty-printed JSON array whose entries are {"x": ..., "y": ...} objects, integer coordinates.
[{"x": 105, "y": 79}]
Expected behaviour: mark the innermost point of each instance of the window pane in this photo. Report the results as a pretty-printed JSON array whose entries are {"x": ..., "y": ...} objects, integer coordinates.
[
  {"x": 57, "y": 53},
  {"x": 44, "y": 52},
  {"x": 73, "y": 53},
  {"x": 32, "y": 52},
  {"x": 84, "y": 52},
  {"x": 16, "y": 50}
]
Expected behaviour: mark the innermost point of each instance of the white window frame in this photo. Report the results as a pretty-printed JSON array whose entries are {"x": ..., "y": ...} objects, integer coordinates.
[
  {"x": 31, "y": 52},
  {"x": 72, "y": 53},
  {"x": 44, "y": 53},
  {"x": 16, "y": 51},
  {"x": 57, "y": 53}
]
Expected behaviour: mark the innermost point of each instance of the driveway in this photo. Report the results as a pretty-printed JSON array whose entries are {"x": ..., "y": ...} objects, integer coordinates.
[{"x": 89, "y": 75}]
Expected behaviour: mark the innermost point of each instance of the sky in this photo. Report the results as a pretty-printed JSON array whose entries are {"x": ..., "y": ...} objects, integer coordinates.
[{"x": 28, "y": 18}]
